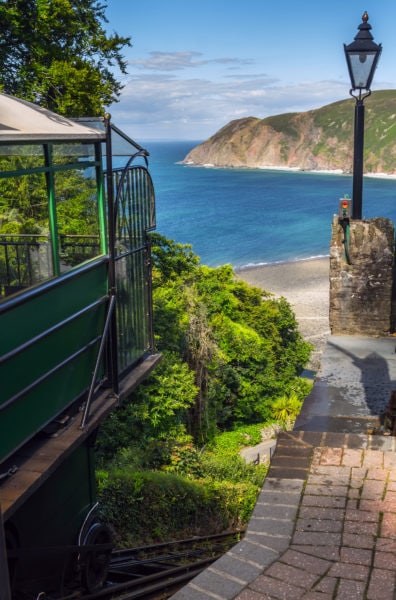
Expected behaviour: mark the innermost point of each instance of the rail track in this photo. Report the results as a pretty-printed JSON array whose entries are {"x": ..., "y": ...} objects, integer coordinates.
[{"x": 157, "y": 571}]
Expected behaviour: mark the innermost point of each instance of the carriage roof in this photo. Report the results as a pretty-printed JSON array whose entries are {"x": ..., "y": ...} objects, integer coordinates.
[{"x": 22, "y": 121}]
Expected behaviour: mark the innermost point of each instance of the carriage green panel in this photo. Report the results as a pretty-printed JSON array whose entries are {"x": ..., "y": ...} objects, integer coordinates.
[
  {"x": 48, "y": 347},
  {"x": 67, "y": 496}
]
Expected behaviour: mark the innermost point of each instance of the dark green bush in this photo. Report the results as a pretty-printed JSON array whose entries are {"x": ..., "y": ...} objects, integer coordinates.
[{"x": 154, "y": 506}]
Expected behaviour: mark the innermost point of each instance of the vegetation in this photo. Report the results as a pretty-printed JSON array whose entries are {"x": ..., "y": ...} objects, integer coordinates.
[
  {"x": 232, "y": 357},
  {"x": 57, "y": 53},
  {"x": 169, "y": 459},
  {"x": 316, "y": 139}
]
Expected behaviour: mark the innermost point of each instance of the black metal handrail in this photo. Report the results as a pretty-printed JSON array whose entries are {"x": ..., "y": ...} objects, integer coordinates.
[{"x": 26, "y": 259}]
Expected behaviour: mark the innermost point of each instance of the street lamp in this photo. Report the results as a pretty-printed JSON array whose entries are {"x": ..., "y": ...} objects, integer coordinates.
[{"x": 362, "y": 57}]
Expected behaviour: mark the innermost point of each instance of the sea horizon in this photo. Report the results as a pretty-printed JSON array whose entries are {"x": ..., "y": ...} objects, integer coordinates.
[{"x": 249, "y": 217}]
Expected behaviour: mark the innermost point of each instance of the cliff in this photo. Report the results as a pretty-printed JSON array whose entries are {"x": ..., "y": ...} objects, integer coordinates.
[{"x": 319, "y": 139}]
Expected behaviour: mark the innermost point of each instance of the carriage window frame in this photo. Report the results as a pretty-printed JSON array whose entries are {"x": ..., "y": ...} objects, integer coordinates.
[{"x": 60, "y": 157}]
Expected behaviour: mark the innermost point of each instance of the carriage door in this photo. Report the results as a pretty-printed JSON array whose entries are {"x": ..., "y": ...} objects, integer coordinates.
[{"x": 135, "y": 216}]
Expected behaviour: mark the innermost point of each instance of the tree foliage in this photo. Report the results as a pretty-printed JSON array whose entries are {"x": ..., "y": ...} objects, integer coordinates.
[
  {"x": 230, "y": 351},
  {"x": 58, "y": 54}
]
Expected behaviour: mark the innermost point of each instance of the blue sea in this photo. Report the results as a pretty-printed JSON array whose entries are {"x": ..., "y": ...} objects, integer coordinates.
[{"x": 252, "y": 217}]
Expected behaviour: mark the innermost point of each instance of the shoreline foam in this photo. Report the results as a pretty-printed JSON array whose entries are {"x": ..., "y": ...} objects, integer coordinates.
[{"x": 286, "y": 169}]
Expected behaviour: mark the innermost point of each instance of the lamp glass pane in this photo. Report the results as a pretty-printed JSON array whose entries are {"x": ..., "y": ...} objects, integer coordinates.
[{"x": 361, "y": 65}]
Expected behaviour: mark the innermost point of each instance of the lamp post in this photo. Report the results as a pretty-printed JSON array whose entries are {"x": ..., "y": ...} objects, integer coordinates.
[{"x": 362, "y": 56}]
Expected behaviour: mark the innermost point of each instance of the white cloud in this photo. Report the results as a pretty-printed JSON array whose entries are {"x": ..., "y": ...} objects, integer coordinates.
[
  {"x": 175, "y": 61},
  {"x": 161, "y": 101}
]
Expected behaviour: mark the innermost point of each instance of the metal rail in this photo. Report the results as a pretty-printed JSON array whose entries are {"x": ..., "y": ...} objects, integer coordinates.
[{"x": 131, "y": 577}]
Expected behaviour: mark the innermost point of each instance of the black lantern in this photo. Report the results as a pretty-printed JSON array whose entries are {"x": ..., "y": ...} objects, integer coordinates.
[{"x": 362, "y": 57}]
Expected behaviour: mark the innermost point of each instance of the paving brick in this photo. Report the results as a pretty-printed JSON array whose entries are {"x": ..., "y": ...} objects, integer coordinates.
[
  {"x": 351, "y": 590},
  {"x": 326, "y": 479},
  {"x": 390, "y": 497},
  {"x": 386, "y": 545},
  {"x": 290, "y": 462},
  {"x": 331, "y": 456},
  {"x": 326, "y": 490},
  {"x": 335, "y": 473},
  {"x": 288, "y": 573},
  {"x": 385, "y": 560},
  {"x": 313, "y": 564},
  {"x": 377, "y": 474},
  {"x": 357, "y": 556},
  {"x": 327, "y": 585},
  {"x": 277, "y": 543},
  {"x": 288, "y": 472},
  {"x": 334, "y": 440},
  {"x": 352, "y": 458},
  {"x": 249, "y": 594},
  {"x": 234, "y": 565},
  {"x": 254, "y": 551},
  {"x": 388, "y": 525},
  {"x": 382, "y": 585},
  {"x": 190, "y": 592},
  {"x": 354, "y": 493},
  {"x": 213, "y": 582},
  {"x": 373, "y": 458},
  {"x": 327, "y": 525},
  {"x": 275, "y": 511},
  {"x": 373, "y": 489},
  {"x": 358, "y": 541},
  {"x": 356, "y": 441},
  {"x": 360, "y": 527},
  {"x": 347, "y": 571},
  {"x": 314, "y": 438},
  {"x": 358, "y": 473},
  {"x": 317, "y": 596},
  {"x": 315, "y": 460},
  {"x": 324, "y": 501},
  {"x": 377, "y": 505},
  {"x": 361, "y": 515},
  {"x": 326, "y": 552},
  {"x": 321, "y": 512},
  {"x": 279, "y": 589},
  {"x": 283, "y": 527},
  {"x": 390, "y": 460},
  {"x": 316, "y": 539},
  {"x": 352, "y": 504},
  {"x": 281, "y": 486}
]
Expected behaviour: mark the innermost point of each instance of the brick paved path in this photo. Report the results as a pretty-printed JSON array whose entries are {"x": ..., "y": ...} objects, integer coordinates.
[{"x": 324, "y": 526}]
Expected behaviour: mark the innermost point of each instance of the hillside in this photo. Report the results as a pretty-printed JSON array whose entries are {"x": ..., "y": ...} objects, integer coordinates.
[{"x": 320, "y": 139}]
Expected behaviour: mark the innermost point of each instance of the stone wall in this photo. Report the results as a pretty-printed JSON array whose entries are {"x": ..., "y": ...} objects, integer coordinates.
[{"x": 361, "y": 292}]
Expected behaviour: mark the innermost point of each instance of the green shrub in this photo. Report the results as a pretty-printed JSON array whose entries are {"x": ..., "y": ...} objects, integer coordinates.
[{"x": 154, "y": 506}]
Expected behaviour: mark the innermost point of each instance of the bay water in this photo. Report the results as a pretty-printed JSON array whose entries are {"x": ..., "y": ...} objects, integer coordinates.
[{"x": 253, "y": 217}]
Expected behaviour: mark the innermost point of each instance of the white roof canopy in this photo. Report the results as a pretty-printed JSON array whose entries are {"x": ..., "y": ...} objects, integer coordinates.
[{"x": 22, "y": 121}]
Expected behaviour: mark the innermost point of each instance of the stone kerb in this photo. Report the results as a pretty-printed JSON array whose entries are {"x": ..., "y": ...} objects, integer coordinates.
[{"x": 361, "y": 289}]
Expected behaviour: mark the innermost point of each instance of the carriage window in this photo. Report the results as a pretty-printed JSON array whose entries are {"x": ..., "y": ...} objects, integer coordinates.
[
  {"x": 49, "y": 215},
  {"x": 77, "y": 216},
  {"x": 25, "y": 248}
]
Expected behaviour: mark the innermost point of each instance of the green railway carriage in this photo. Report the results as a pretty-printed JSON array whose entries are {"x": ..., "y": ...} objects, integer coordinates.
[{"x": 76, "y": 205}]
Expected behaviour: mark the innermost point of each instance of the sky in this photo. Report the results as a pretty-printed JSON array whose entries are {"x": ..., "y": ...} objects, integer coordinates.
[{"x": 195, "y": 66}]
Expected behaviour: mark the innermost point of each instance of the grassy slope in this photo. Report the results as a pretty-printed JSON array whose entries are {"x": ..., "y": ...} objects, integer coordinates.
[{"x": 321, "y": 138}]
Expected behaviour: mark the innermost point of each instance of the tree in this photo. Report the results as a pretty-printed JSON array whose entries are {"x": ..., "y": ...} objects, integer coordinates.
[{"x": 57, "y": 54}]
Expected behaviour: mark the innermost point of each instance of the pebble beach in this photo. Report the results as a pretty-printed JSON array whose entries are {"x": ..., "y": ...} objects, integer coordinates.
[{"x": 305, "y": 285}]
